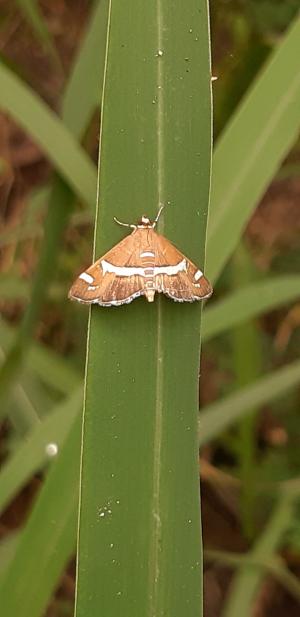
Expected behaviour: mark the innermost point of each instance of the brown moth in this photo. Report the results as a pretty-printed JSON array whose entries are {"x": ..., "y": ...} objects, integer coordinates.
[{"x": 141, "y": 265}]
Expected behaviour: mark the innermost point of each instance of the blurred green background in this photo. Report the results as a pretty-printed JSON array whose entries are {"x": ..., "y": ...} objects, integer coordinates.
[{"x": 50, "y": 91}]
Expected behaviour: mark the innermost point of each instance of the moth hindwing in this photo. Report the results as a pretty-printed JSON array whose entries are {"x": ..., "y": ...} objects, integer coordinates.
[{"x": 142, "y": 264}]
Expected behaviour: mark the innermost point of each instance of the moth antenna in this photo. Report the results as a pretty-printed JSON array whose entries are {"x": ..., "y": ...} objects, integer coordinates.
[
  {"x": 124, "y": 224},
  {"x": 158, "y": 215}
]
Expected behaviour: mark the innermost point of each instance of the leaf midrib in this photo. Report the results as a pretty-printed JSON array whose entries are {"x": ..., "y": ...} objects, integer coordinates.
[{"x": 155, "y": 521}]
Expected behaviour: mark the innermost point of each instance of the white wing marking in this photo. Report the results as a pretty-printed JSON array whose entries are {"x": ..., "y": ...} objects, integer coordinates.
[
  {"x": 86, "y": 277},
  {"x": 198, "y": 275},
  {"x": 137, "y": 271}
]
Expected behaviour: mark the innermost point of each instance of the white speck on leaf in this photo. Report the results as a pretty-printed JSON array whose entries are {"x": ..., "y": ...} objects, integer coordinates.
[{"x": 51, "y": 449}]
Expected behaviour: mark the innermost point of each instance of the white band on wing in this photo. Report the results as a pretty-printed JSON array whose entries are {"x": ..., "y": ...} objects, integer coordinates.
[
  {"x": 198, "y": 275},
  {"x": 132, "y": 271},
  {"x": 172, "y": 270},
  {"x": 120, "y": 270},
  {"x": 84, "y": 276}
]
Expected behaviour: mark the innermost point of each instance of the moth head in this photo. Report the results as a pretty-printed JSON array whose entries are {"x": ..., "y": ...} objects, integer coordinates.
[{"x": 144, "y": 222}]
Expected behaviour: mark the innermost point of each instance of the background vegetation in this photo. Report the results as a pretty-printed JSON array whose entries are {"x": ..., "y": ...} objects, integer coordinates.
[{"x": 50, "y": 91}]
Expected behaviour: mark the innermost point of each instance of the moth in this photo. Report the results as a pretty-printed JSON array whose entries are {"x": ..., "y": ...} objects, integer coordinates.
[{"x": 142, "y": 264}]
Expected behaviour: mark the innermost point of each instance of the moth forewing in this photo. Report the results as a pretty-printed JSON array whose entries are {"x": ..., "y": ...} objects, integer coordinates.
[{"x": 143, "y": 263}]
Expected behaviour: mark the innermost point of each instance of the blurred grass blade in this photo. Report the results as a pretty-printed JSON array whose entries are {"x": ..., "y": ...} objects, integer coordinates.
[
  {"x": 47, "y": 540},
  {"x": 32, "y": 455},
  {"x": 23, "y": 413},
  {"x": 59, "y": 207},
  {"x": 247, "y": 363},
  {"x": 57, "y": 217},
  {"x": 272, "y": 565},
  {"x": 29, "y": 226},
  {"x": 216, "y": 417},
  {"x": 52, "y": 369},
  {"x": 13, "y": 287},
  {"x": 245, "y": 585},
  {"x": 62, "y": 543},
  {"x": 45, "y": 127},
  {"x": 255, "y": 142},
  {"x": 32, "y": 13},
  {"x": 45, "y": 363},
  {"x": 8, "y": 547},
  {"x": 140, "y": 469},
  {"x": 56, "y": 508},
  {"x": 249, "y": 302},
  {"x": 21, "y": 232},
  {"x": 85, "y": 85}
]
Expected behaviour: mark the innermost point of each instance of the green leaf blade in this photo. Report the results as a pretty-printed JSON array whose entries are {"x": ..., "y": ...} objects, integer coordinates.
[
  {"x": 35, "y": 18},
  {"x": 248, "y": 302},
  {"x": 256, "y": 140},
  {"x": 83, "y": 93},
  {"x": 48, "y": 539},
  {"x": 140, "y": 499},
  {"x": 49, "y": 132},
  {"x": 32, "y": 455},
  {"x": 218, "y": 416}
]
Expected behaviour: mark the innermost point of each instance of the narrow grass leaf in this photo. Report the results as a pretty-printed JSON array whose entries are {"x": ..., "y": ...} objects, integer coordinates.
[
  {"x": 247, "y": 364},
  {"x": 23, "y": 413},
  {"x": 45, "y": 363},
  {"x": 83, "y": 94},
  {"x": 49, "y": 132},
  {"x": 273, "y": 565},
  {"x": 253, "y": 145},
  {"x": 287, "y": 378},
  {"x": 8, "y": 548},
  {"x": 32, "y": 13},
  {"x": 20, "y": 233},
  {"x": 140, "y": 516},
  {"x": 56, "y": 219},
  {"x": 60, "y": 204},
  {"x": 246, "y": 582},
  {"x": 29, "y": 226},
  {"x": 47, "y": 540},
  {"x": 33, "y": 454},
  {"x": 56, "y": 508},
  {"x": 13, "y": 287},
  {"x": 217, "y": 417},
  {"x": 248, "y": 302}
]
